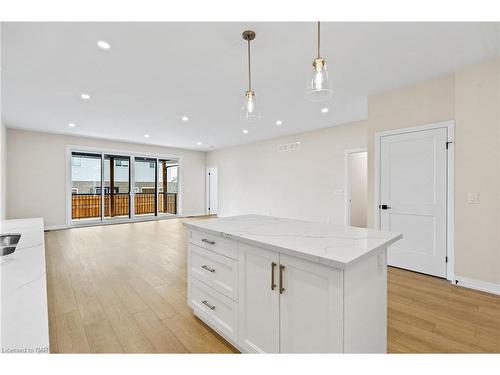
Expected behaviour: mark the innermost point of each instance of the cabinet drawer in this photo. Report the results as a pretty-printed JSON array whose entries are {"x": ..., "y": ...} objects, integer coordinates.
[
  {"x": 220, "y": 312},
  {"x": 215, "y": 270},
  {"x": 215, "y": 243}
]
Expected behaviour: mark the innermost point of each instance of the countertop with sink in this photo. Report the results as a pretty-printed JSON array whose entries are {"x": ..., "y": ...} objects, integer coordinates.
[{"x": 23, "y": 290}]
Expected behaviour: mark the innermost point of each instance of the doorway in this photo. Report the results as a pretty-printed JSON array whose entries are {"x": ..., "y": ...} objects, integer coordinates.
[
  {"x": 414, "y": 170},
  {"x": 356, "y": 189},
  {"x": 212, "y": 193}
]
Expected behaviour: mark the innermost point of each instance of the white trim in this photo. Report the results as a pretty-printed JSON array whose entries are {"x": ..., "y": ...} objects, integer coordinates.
[
  {"x": 450, "y": 222},
  {"x": 132, "y": 154},
  {"x": 140, "y": 219},
  {"x": 347, "y": 182},
  {"x": 483, "y": 286}
]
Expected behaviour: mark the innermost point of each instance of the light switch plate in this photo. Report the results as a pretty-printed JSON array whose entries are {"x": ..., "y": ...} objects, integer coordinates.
[
  {"x": 473, "y": 198},
  {"x": 338, "y": 192},
  {"x": 381, "y": 259}
]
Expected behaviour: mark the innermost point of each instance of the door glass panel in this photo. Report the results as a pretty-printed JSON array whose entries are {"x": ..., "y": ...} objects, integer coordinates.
[
  {"x": 168, "y": 186},
  {"x": 145, "y": 186},
  {"x": 85, "y": 186},
  {"x": 116, "y": 186}
]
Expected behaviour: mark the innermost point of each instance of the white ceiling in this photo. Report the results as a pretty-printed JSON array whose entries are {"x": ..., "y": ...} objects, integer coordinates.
[{"x": 155, "y": 73}]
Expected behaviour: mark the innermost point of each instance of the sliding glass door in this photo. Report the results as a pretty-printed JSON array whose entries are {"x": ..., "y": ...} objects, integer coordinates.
[
  {"x": 116, "y": 186},
  {"x": 167, "y": 186},
  {"x": 86, "y": 186},
  {"x": 145, "y": 184}
]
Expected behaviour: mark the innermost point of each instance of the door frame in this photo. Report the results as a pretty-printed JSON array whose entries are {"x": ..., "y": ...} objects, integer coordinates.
[
  {"x": 207, "y": 189},
  {"x": 347, "y": 182},
  {"x": 450, "y": 185}
]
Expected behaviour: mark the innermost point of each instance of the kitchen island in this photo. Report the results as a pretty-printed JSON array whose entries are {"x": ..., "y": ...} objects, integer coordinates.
[
  {"x": 274, "y": 285},
  {"x": 23, "y": 290}
]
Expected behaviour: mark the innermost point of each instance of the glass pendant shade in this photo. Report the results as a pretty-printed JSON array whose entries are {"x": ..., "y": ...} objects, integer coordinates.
[
  {"x": 250, "y": 111},
  {"x": 318, "y": 86}
]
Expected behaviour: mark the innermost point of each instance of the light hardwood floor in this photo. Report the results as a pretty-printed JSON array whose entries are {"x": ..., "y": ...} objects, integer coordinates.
[{"x": 122, "y": 288}]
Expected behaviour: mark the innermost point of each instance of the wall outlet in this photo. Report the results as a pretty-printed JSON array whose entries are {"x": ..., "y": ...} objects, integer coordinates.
[{"x": 473, "y": 198}]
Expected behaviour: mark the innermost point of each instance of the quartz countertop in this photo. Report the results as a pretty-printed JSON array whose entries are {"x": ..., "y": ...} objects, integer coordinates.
[
  {"x": 333, "y": 245},
  {"x": 23, "y": 290}
]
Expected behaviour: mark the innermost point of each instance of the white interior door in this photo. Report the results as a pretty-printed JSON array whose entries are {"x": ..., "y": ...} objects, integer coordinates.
[
  {"x": 212, "y": 194},
  {"x": 413, "y": 191}
]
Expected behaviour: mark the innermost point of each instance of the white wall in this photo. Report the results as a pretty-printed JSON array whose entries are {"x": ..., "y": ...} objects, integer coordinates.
[
  {"x": 37, "y": 173},
  {"x": 255, "y": 178},
  {"x": 3, "y": 171},
  {"x": 477, "y": 168},
  {"x": 3, "y": 150}
]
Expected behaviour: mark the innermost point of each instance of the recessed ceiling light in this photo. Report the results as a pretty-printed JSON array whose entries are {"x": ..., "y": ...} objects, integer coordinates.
[
  {"x": 324, "y": 110},
  {"x": 279, "y": 122},
  {"x": 198, "y": 143},
  {"x": 103, "y": 44},
  {"x": 85, "y": 96},
  {"x": 71, "y": 125},
  {"x": 185, "y": 118},
  {"x": 146, "y": 135},
  {"x": 245, "y": 131}
]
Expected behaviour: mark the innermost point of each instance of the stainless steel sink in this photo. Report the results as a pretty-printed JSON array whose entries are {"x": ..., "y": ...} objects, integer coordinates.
[{"x": 8, "y": 243}]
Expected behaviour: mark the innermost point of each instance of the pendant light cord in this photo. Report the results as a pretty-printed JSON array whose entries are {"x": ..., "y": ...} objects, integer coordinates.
[
  {"x": 249, "y": 70},
  {"x": 319, "y": 39}
]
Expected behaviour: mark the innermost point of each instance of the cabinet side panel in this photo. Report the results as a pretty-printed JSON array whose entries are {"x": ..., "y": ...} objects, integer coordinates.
[{"x": 365, "y": 305}]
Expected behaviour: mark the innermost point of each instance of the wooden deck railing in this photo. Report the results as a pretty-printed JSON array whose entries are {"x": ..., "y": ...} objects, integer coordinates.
[{"x": 86, "y": 206}]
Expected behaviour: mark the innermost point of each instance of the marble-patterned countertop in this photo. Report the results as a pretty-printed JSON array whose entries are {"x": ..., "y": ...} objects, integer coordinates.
[
  {"x": 23, "y": 292},
  {"x": 333, "y": 245}
]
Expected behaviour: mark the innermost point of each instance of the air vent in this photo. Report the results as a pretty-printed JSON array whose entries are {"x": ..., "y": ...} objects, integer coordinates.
[{"x": 285, "y": 147}]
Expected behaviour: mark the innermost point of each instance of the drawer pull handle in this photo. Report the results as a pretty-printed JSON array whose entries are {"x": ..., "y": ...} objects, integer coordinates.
[
  {"x": 282, "y": 269},
  {"x": 205, "y": 267},
  {"x": 206, "y": 240},
  {"x": 211, "y": 307},
  {"x": 273, "y": 282}
]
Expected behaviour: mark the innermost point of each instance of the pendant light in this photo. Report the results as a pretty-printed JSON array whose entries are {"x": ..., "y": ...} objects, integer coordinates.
[
  {"x": 250, "y": 110},
  {"x": 318, "y": 86}
]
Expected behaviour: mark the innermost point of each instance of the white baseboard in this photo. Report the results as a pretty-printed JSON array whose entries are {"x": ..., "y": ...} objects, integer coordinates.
[
  {"x": 56, "y": 227},
  {"x": 83, "y": 224},
  {"x": 483, "y": 286}
]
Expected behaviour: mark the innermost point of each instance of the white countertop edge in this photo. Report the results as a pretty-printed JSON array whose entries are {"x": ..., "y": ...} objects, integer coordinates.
[{"x": 287, "y": 251}]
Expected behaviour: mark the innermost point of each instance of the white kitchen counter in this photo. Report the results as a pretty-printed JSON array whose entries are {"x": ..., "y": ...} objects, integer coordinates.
[
  {"x": 23, "y": 291},
  {"x": 332, "y": 245}
]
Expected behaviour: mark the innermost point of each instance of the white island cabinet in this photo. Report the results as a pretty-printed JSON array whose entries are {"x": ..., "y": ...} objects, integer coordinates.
[{"x": 273, "y": 285}]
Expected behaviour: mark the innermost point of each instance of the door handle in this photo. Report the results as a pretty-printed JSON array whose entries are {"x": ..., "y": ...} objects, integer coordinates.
[
  {"x": 384, "y": 207},
  {"x": 206, "y": 240},
  {"x": 211, "y": 307},
  {"x": 273, "y": 282},
  {"x": 205, "y": 267},
  {"x": 282, "y": 271}
]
